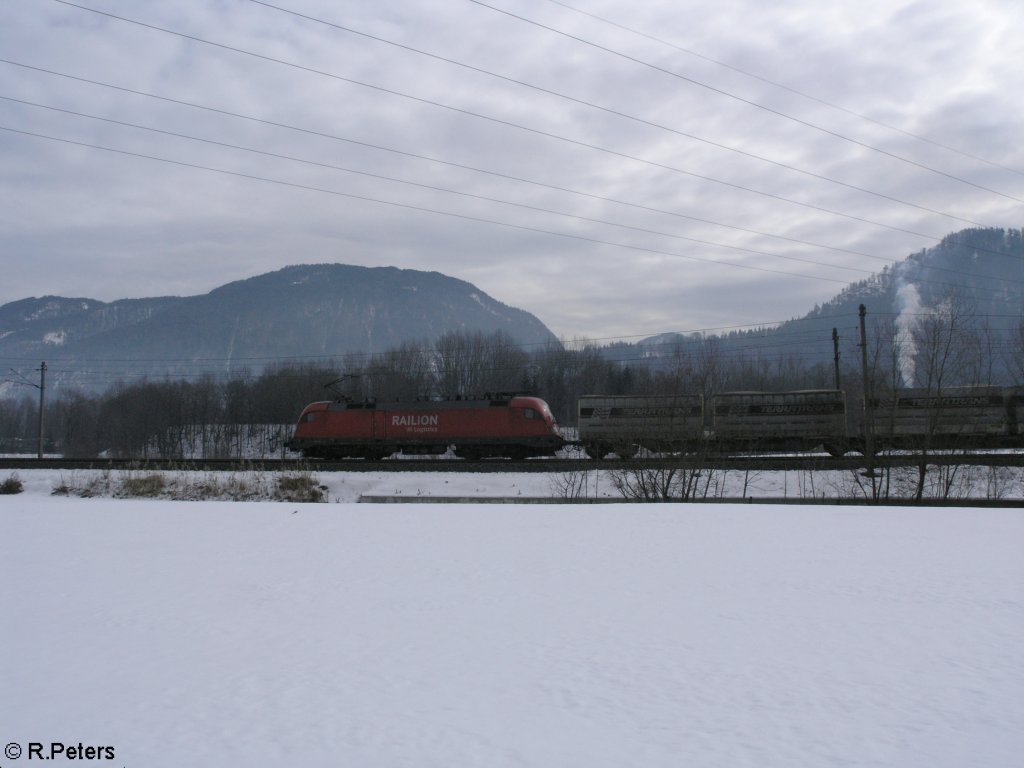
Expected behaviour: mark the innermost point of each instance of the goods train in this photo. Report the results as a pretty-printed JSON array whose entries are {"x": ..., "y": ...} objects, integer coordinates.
[
  {"x": 519, "y": 426},
  {"x": 960, "y": 417},
  {"x": 513, "y": 426}
]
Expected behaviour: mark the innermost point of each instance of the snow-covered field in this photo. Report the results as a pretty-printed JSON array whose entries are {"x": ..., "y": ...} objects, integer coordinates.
[{"x": 272, "y": 634}]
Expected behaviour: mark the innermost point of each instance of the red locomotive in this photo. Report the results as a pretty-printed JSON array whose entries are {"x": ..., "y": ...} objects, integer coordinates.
[{"x": 515, "y": 426}]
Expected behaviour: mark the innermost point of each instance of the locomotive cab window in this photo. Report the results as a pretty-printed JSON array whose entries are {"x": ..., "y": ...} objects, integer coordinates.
[
  {"x": 530, "y": 413},
  {"x": 310, "y": 417}
]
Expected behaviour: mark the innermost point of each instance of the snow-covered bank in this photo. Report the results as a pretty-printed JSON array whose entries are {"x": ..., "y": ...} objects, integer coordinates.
[
  {"x": 267, "y": 634},
  {"x": 955, "y": 483}
]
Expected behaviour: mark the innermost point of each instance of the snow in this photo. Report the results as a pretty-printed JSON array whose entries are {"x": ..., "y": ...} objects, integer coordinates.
[
  {"x": 963, "y": 482},
  {"x": 268, "y": 634}
]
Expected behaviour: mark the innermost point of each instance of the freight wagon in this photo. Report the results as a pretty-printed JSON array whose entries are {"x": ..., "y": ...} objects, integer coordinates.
[
  {"x": 739, "y": 421},
  {"x": 625, "y": 424},
  {"x": 959, "y": 417},
  {"x": 780, "y": 421}
]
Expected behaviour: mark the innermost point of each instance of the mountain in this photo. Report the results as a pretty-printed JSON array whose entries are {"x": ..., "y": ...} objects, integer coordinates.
[
  {"x": 299, "y": 312},
  {"x": 980, "y": 270}
]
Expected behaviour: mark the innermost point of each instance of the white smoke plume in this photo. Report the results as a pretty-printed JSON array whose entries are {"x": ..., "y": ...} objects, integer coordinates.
[{"x": 908, "y": 302}]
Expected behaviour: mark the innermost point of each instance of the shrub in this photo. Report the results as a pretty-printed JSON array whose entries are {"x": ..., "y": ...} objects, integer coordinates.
[
  {"x": 84, "y": 485},
  {"x": 299, "y": 488},
  {"x": 146, "y": 486},
  {"x": 12, "y": 485}
]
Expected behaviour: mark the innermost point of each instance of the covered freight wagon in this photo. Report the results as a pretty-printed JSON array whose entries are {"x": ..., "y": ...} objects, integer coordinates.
[
  {"x": 624, "y": 424},
  {"x": 800, "y": 420},
  {"x": 957, "y": 417}
]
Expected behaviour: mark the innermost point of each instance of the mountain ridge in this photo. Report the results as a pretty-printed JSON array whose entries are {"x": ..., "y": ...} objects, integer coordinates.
[
  {"x": 297, "y": 312},
  {"x": 981, "y": 269}
]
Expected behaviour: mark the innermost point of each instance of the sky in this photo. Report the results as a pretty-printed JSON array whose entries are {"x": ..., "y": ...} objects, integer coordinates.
[{"x": 616, "y": 169}]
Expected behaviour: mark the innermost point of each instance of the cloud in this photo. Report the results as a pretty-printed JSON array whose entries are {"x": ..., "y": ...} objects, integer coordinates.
[{"x": 79, "y": 220}]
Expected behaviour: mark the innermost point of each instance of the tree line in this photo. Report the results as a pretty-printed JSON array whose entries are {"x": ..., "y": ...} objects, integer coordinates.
[{"x": 216, "y": 417}]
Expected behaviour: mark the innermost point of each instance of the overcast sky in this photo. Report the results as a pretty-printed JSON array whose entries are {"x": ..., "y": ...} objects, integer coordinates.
[{"x": 615, "y": 168}]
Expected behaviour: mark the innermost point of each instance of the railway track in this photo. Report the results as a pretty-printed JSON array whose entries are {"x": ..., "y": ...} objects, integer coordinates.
[{"x": 761, "y": 462}]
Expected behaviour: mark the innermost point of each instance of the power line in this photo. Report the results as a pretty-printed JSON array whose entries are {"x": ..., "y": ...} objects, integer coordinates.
[
  {"x": 465, "y": 217},
  {"x": 786, "y": 338},
  {"x": 432, "y": 187},
  {"x": 474, "y": 169},
  {"x": 728, "y": 349},
  {"x": 508, "y": 123},
  {"x": 421, "y": 209},
  {"x": 763, "y": 327},
  {"x": 790, "y": 89},
  {"x": 444, "y": 213},
  {"x": 728, "y": 352},
  {"x": 610, "y": 111},
  {"x": 748, "y": 102},
  {"x": 495, "y": 174},
  {"x": 486, "y": 198}
]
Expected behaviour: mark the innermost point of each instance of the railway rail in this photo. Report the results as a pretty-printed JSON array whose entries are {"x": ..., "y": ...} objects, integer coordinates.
[{"x": 759, "y": 462}]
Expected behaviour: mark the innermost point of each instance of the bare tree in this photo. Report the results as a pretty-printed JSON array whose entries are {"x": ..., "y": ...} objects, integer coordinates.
[
  {"x": 403, "y": 373},
  {"x": 469, "y": 364},
  {"x": 945, "y": 347},
  {"x": 1015, "y": 352},
  {"x": 570, "y": 485},
  {"x": 947, "y": 355},
  {"x": 650, "y": 482}
]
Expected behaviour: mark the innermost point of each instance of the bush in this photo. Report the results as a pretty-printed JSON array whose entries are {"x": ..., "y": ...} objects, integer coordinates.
[
  {"x": 12, "y": 485},
  {"x": 85, "y": 485},
  {"x": 299, "y": 488},
  {"x": 233, "y": 486},
  {"x": 146, "y": 486}
]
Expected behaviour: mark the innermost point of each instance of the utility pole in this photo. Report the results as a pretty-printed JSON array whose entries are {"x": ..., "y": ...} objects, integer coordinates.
[
  {"x": 835, "y": 359},
  {"x": 42, "y": 404},
  {"x": 869, "y": 426}
]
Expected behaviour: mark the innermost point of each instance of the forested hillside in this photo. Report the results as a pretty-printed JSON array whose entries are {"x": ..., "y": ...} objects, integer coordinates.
[{"x": 320, "y": 311}]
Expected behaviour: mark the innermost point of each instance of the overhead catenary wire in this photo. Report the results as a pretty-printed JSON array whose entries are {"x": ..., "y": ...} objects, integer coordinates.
[
  {"x": 434, "y": 187},
  {"x": 739, "y": 356},
  {"x": 376, "y": 364},
  {"x": 749, "y": 102},
  {"x": 493, "y": 173},
  {"x": 509, "y": 123},
  {"x": 424, "y": 209},
  {"x": 795, "y": 342},
  {"x": 421, "y": 209},
  {"x": 811, "y": 206},
  {"x": 783, "y": 86},
  {"x": 495, "y": 200},
  {"x": 541, "y": 209},
  {"x": 618, "y": 113},
  {"x": 476, "y": 169}
]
